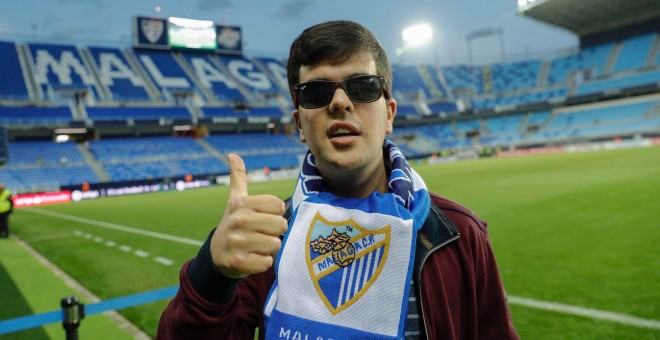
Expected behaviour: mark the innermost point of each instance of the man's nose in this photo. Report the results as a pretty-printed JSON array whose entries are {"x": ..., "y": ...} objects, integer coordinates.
[{"x": 340, "y": 101}]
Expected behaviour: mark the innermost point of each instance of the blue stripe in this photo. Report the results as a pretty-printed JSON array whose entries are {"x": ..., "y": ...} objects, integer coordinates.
[
  {"x": 37, "y": 320},
  {"x": 31, "y": 321},
  {"x": 131, "y": 300}
]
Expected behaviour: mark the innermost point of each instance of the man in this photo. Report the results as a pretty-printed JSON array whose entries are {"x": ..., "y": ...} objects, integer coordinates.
[
  {"x": 367, "y": 252},
  {"x": 6, "y": 208}
]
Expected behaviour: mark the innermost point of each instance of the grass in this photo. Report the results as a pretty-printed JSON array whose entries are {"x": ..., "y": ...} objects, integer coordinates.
[
  {"x": 578, "y": 229},
  {"x": 28, "y": 287}
]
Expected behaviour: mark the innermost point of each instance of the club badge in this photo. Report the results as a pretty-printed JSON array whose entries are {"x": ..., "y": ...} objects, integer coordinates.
[
  {"x": 344, "y": 259},
  {"x": 152, "y": 29}
]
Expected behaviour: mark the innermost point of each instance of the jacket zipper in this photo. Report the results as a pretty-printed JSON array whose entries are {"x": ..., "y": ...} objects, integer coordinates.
[{"x": 419, "y": 278}]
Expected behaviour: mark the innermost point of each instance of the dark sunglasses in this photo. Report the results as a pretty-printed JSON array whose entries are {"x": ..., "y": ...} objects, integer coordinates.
[{"x": 319, "y": 93}]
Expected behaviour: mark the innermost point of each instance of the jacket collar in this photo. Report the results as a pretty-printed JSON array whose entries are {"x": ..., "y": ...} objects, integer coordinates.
[{"x": 436, "y": 232}]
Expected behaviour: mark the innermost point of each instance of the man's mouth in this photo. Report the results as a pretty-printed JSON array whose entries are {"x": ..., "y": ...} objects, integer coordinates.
[
  {"x": 342, "y": 133},
  {"x": 342, "y": 130}
]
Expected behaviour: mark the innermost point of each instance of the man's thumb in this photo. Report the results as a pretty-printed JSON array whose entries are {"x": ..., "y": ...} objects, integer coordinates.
[{"x": 237, "y": 176}]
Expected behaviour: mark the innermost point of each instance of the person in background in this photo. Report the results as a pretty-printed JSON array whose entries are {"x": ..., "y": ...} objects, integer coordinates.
[
  {"x": 362, "y": 249},
  {"x": 6, "y": 208}
]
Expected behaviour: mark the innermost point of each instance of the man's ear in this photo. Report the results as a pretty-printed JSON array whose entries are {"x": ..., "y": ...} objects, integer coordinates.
[
  {"x": 296, "y": 118},
  {"x": 391, "y": 113}
]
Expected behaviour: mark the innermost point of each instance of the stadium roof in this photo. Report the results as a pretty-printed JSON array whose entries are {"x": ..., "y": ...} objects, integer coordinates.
[{"x": 585, "y": 17}]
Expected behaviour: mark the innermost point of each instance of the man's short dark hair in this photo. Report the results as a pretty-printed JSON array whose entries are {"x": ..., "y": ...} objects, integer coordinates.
[{"x": 335, "y": 42}]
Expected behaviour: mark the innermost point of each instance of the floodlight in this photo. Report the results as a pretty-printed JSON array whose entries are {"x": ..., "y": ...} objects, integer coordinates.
[
  {"x": 417, "y": 34},
  {"x": 62, "y": 138}
]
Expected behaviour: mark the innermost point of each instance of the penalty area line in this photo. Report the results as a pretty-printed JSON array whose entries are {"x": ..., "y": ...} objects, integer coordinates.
[
  {"x": 586, "y": 312},
  {"x": 115, "y": 226}
]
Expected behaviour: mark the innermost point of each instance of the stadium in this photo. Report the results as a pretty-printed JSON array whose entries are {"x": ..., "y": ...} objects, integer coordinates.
[{"x": 117, "y": 160}]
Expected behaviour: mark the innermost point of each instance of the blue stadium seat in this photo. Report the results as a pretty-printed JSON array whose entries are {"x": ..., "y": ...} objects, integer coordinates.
[
  {"x": 409, "y": 82},
  {"x": 126, "y": 159},
  {"x": 116, "y": 73},
  {"x": 61, "y": 68},
  {"x": 249, "y": 75},
  {"x": 278, "y": 151},
  {"x": 164, "y": 70},
  {"x": 137, "y": 113},
  {"x": 634, "y": 52},
  {"x": 464, "y": 78},
  {"x": 539, "y": 96},
  {"x": 227, "y": 112},
  {"x": 12, "y": 83},
  {"x": 592, "y": 59},
  {"x": 35, "y": 115},
  {"x": 277, "y": 72},
  {"x": 515, "y": 76},
  {"x": 222, "y": 85},
  {"x": 43, "y": 153},
  {"x": 619, "y": 82}
]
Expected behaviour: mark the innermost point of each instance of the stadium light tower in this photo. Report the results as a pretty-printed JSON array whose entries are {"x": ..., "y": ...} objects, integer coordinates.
[
  {"x": 486, "y": 32},
  {"x": 414, "y": 36}
]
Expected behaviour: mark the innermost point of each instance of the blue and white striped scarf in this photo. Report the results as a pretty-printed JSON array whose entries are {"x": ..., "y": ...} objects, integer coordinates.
[{"x": 344, "y": 269}]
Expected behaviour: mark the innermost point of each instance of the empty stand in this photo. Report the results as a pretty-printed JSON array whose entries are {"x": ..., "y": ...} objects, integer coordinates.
[
  {"x": 212, "y": 77},
  {"x": 409, "y": 83},
  {"x": 516, "y": 76},
  {"x": 115, "y": 72},
  {"x": 137, "y": 113},
  {"x": 35, "y": 115},
  {"x": 261, "y": 149},
  {"x": 591, "y": 60},
  {"x": 154, "y": 157},
  {"x": 634, "y": 53},
  {"x": 61, "y": 68},
  {"x": 601, "y": 92},
  {"x": 12, "y": 83}
]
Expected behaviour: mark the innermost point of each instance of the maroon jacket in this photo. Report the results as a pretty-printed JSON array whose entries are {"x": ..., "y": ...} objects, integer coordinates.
[{"x": 457, "y": 282}]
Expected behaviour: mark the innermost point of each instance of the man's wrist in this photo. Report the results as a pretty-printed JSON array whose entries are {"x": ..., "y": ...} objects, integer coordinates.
[{"x": 207, "y": 280}]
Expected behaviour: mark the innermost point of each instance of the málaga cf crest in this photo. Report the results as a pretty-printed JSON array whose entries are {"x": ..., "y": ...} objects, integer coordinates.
[{"x": 344, "y": 259}]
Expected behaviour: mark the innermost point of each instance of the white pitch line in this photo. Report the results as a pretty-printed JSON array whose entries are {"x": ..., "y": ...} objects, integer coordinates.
[
  {"x": 116, "y": 227},
  {"x": 141, "y": 253},
  {"x": 163, "y": 260},
  {"x": 586, "y": 312},
  {"x": 50, "y": 237}
]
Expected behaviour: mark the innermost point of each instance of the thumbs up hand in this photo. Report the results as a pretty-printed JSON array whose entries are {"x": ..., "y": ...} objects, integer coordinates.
[{"x": 248, "y": 234}]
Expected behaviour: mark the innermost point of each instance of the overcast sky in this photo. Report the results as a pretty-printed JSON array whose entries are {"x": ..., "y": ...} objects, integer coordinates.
[{"x": 269, "y": 26}]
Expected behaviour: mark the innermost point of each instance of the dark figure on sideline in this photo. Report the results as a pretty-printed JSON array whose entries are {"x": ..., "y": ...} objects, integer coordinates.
[{"x": 6, "y": 208}]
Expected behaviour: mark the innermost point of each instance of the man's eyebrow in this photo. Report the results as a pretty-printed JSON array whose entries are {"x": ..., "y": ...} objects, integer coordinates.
[
  {"x": 359, "y": 74},
  {"x": 349, "y": 76}
]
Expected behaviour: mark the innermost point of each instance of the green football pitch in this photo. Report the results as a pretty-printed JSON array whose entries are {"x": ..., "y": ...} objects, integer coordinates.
[{"x": 576, "y": 234}]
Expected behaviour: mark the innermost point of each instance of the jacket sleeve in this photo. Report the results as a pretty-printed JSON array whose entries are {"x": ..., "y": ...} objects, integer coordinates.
[
  {"x": 493, "y": 315},
  {"x": 468, "y": 295},
  {"x": 211, "y": 306}
]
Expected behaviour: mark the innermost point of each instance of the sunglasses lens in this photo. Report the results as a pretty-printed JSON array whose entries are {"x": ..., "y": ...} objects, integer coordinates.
[
  {"x": 364, "y": 89},
  {"x": 360, "y": 89},
  {"x": 316, "y": 94}
]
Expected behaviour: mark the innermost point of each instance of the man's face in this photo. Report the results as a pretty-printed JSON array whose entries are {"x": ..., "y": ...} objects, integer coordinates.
[{"x": 345, "y": 137}]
